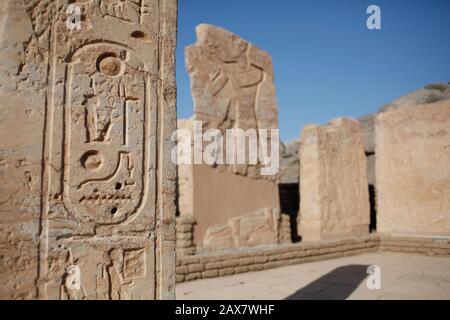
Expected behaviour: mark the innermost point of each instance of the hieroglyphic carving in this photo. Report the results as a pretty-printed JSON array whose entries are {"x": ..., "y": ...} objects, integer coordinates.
[
  {"x": 232, "y": 85},
  {"x": 100, "y": 90},
  {"x": 261, "y": 227},
  {"x": 126, "y": 11},
  {"x": 106, "y": 150}
]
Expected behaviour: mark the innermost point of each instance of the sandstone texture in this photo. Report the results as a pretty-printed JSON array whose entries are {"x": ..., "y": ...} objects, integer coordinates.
[
  {"x": 185, "y": 179},
  {"x": 263, "y": 227},
  {"x": 289, "y": 162},
  {"x": 233, "y": 88},
  {"x": 185, "y": 236},
  {"x": 88, "y": 189},
  {"x": 333, "y": 185},
  {"x": 413, "y": 169},
  {"x": 216, "y": 196},
  {"x": 232, "y": 84},
  {"x": 429, "y": 94}
]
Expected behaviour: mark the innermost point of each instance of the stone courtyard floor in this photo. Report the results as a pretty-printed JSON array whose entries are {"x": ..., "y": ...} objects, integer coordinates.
[{"x": 403, "y": 276}]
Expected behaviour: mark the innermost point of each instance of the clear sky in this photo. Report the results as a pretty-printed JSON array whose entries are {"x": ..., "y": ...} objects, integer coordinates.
[{"x": 326, "y": 62}]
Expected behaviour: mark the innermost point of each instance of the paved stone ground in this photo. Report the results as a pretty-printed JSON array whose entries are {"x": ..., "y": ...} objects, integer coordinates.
[{"x": 403, "y": 276}]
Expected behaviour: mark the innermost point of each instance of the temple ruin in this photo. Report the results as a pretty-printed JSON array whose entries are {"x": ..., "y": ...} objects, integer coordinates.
[
  {"x": 232, "y": 87},
  {"x": 413, "y": 187},
  {"x": 333, "y": 185},
  {"x": 94, "y": 206}
]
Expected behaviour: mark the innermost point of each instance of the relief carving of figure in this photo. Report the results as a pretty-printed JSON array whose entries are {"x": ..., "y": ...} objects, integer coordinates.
[{"x": 119, "y": 289}]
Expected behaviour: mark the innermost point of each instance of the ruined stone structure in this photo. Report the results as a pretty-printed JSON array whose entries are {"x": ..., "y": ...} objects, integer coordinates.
[
  {"x": 413, "y": 169},
  {"x": 429, "y": 94},
  {"x": 88, "y": 190},
  {"x": 333, "y": 185},
  {"x": 232, "y": 87},
  {"x": 263, "y": 227},
  {"x": 221, "y": 264},
  {"x": 185, "y": 236}
]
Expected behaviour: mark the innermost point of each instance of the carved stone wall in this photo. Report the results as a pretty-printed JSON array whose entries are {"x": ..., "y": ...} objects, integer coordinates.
[
  {"x": 232, "y": 86},
  {"x": 263, "y": 227},
  {"x": 334, "y": 199},
  {"x": 88, "y": 189},
  {"x": 413, "y": 169}
]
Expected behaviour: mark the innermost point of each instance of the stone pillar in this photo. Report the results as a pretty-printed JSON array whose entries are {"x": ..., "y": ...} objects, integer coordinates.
[
  {"x": 233, "y": 88},
  {"x": 88, "y": 188},
  {"x": 413, "y": 170},
  {"x": 333, "y": 186}
]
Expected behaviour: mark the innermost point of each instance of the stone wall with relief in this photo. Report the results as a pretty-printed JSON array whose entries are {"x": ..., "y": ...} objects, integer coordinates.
[
  {"x": 232, "y": 85},
  {"x": 413, "y": 169},
  {"x": 233, "y": 88},
  {"x": 334, "y": 198},
  {"x": 87, "y": 203},
  {"x": 262, "y": 227}
]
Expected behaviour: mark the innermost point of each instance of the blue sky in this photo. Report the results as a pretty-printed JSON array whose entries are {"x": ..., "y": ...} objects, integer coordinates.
[{"x": 326, "y": 62}]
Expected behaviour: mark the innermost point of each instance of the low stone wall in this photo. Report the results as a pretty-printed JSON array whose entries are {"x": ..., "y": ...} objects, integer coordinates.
[
  {"x": 431, "y": 246},
  {"x": 227, "y": 263},
  {"x": 185, "y": 235}
]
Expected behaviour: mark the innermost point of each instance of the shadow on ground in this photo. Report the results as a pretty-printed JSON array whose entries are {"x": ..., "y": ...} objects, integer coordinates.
[{"x": 335, "y": 285}]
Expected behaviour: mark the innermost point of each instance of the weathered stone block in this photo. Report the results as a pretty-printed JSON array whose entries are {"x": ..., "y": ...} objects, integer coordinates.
[
  {"x": 184, "y": 228},
  {"x": 184, "y": 243},
  {"x": 193, "y": 276},
  {"x": 233, "y": 88},
  {"x": 198, "y": 267},
  {"x": 210, "y": 273},
  {"x": 84, "y": 119},
  {"x": 333, "y": 185},
  {"x": 261, "y": 259},
  {"x": 179, "y": 278},
  {"x": 182, "y": 270},
  {"x": 213, "y": 265},
  {"x": 226, "y": 271},
  {"x": 259, "y": 228},
  {"x": 241, "y": 269},
  {"x": 230, "y": 263},
  {"x": 184, "y": 236},
  {"x": 185, "y": 251},
  {"x": 189, "y": 260},
  {"x": 413, "y": 169}
]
